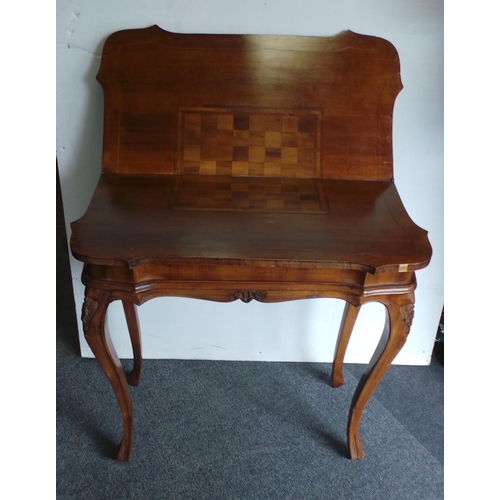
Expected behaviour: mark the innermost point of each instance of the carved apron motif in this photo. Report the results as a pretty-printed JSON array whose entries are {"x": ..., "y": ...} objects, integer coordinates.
[{"x": 247, "y": 295}]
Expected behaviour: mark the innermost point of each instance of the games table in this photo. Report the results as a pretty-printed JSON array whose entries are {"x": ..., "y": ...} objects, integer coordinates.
[{"x": 248, "y": 168}]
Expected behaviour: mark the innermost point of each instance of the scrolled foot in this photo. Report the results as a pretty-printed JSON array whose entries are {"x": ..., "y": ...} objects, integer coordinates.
[
  {"x": 124, "y": 450},
  {"x": 355, "y": 449}
]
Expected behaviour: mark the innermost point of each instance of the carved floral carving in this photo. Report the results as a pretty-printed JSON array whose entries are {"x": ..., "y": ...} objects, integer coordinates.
[
  {"x": 88, "y": 309},
  {"x": 407, "y": 313},
  {"x": 247, "y": 295}
]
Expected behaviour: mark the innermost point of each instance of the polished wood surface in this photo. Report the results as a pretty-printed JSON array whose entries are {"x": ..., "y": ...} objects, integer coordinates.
[
  {"x": 341, "y": 89},
  {"x": 298, "y": 223},
  {"x": 248, "y": 168}
]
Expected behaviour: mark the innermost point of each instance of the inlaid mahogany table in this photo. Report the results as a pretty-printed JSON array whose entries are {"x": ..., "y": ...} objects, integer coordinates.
[{"x": 251, "y": 168}]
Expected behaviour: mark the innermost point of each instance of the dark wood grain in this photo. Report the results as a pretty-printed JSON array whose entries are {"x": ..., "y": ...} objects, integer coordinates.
[
  {"x": 248, "y": 168},
  {"x": 151, "y": 77},
  {"x": 140, "y": 219}
]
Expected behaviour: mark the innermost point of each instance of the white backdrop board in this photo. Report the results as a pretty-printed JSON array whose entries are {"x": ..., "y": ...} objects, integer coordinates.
[{"x": 293, "y": 331}]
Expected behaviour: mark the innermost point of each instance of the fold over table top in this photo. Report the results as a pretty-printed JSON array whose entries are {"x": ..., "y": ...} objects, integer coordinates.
[{"x": 170, "y": 219}]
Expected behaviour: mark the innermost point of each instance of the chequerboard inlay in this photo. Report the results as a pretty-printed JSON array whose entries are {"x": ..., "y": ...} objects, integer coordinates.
[
  {"x": 250, "y": 194},
  {"x": 249, "y": 142}
]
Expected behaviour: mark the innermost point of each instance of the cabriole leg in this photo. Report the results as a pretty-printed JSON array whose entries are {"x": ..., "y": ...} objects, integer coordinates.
[
  {"x": 399, "y": 314},
  {"x": 96, "y": 333},
  {"x": 346, "y": 327},
  {"x": 135, "y": 337}
]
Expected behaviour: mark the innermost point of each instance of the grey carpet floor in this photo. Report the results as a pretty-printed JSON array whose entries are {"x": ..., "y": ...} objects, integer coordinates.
[
  {"x": 241, "y": 430},
  {"x": 232, "y": 430}
]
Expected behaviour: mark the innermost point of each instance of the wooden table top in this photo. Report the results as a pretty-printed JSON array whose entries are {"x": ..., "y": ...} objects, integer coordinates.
[{"x": 172, "y": 219}]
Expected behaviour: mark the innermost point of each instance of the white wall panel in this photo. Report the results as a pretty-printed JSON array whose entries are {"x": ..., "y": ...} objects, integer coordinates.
[{"x": 294, "y": 331}]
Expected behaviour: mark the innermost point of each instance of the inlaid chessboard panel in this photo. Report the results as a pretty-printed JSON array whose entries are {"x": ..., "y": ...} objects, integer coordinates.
[
  {"x": 249, "y": 142},
  {"x": 250, "y": 194}
]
